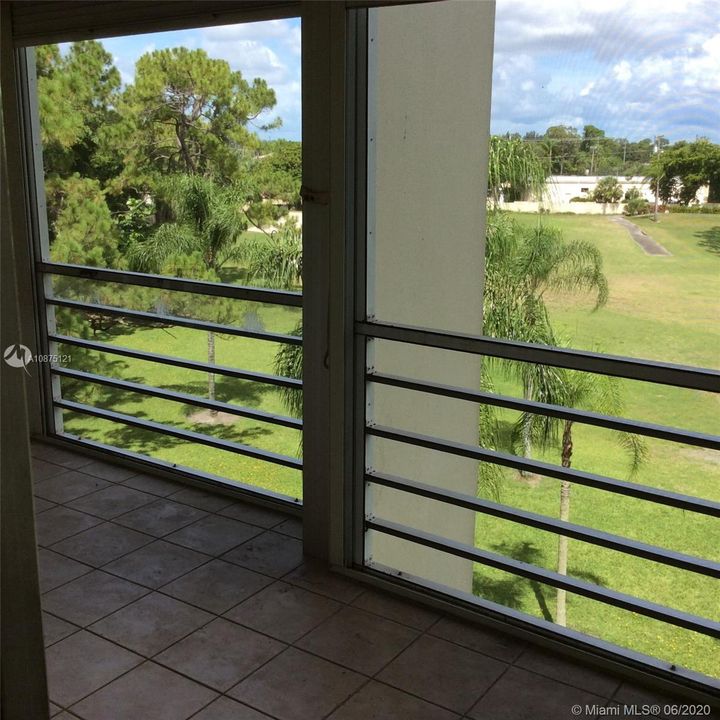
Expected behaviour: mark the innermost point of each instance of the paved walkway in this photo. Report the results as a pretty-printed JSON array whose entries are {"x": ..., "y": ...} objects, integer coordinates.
[{"x": 650, "y": 246}]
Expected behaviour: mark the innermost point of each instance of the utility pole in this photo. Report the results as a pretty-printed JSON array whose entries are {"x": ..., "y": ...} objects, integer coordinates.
[{"x": 656, "y": 149}]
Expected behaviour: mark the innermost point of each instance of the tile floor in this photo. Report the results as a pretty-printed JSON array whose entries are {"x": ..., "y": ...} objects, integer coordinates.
[{"x": 163, "y": 602}]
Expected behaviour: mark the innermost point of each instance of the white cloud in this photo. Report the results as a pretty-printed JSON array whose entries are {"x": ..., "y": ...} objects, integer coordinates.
[
  {"x": 293, "y": 40},
  {"x": 632, "y": 67},
  {"x": 600, "y": 28},
  {"x": 268, "y": 50},
  {"x": 702, "y": 68},
  {"x": 622, "y": 71},
  {"x": 251, "y": 57},
  {"x": 264, "y": 30}
]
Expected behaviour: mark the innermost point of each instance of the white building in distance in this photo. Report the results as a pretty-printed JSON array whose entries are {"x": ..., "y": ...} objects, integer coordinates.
[
  {"x": 562, "y": 189},
  {"x": 573, "y": 193}
]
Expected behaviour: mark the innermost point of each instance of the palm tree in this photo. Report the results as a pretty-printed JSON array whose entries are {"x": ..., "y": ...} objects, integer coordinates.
[
  {"x": 200, "y": 236},
  {"x": 289, "y": 363},
  {"x": 275, "y": 260},
  {"x": 514, "y": 170},
  {"x": 521, "y": 266},
  {"x": 597, "y": 393}
]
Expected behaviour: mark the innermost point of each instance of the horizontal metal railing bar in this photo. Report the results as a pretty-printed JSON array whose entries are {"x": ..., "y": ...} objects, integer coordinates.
[
  {"x": 621, "y": 487},
  {"x": 618, "y": 366},
  {"x": 178, "y": 362},
  {"x": 549, "y": 577},
  {"x": 164, "y": 282},
  {"x": 542, "y": 522},
  {"x": 185, "y": 398},
  {"x": 148, "y": 317},
  {"x": 637, "y": 427},
  {"x": 189, "y": 435}
]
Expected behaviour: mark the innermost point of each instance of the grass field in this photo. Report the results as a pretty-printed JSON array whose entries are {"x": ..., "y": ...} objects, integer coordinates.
[
  {"x": 230, "y": 351},
  {"x": 660, "y": 307}
]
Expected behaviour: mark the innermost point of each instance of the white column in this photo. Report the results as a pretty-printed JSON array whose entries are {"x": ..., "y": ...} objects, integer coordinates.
[{"x": 430, "y": 70}]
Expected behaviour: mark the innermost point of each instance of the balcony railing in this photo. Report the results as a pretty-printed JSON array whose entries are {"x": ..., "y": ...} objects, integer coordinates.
[
  {"x": 622, "y": 367},
  {"x": 51, "y": 339}
]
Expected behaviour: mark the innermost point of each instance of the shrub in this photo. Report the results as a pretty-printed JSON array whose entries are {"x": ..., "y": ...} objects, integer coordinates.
[
  {"x": 637, "y": 206},
  {"x": 608, "y": 190},
  {"x": 708, "y": 208}
]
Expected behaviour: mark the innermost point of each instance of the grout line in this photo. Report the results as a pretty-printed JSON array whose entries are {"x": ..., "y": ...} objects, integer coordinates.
[
  {"x": 484, "y": 653},
  {"x": 84, "y": 562},
  {"x": 198, "y": 520},
  {"x": 117, "y": 519},
  {"x": 80, "y": 469},
  {"x": 220, "y": 513},
  {"x": 342, "y": 607},
  {"x": 55, "y": 542},
  {"x": 151, "y": 492},
  {"x": 399, "y": 622},
  {"x": 373, "y": 677},
  {"x": 489, "y": 688},
  {"x": 307, "y": 652},
  {"x": 120, "y": 607},
  {"x": 67, "y": 582},
  {"x": 213, "y": 615},
  {"x": 66, "y": 504},
  {"x": 565, "y": 682},
  {"x": 38, "y": 480},
  {"x": 201, "y": 682},
  {"x": 57, "y": 464},
  {"x": 287, "y": 642},
  {"x": 349, "y": 697},
  {"x": 206, "y": 492},
  {"x": 69, "y": 500},
  {"x": 40, "y": 512},
  {"x": 232, "y": 699},
  {"x": 112, "y": 485},
  {"x": 74, "y": 632}
]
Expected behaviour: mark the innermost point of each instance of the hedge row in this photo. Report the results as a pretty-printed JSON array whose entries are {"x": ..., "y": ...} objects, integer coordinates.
[{"x": 709, "y": 208}]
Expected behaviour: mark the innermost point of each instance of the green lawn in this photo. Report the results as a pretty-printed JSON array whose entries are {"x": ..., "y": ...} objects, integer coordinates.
[
  {"x": 659, "y": 307},
  {"x": 237, "y": 352}
]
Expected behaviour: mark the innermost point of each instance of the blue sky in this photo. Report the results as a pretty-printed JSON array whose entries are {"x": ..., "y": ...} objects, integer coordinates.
[{"x": 635, "y": 68}]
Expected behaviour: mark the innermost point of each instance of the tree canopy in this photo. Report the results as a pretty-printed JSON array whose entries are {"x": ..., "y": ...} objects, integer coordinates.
[
  {"x": 77, "y": 93},
  {"x": 565, "y": 150},
  {"x": 109, "y": 150},
  {"x": 187, "y": 112},
  {"x": 279, "y": 170},
  {"x": 683, "y": 168}
]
